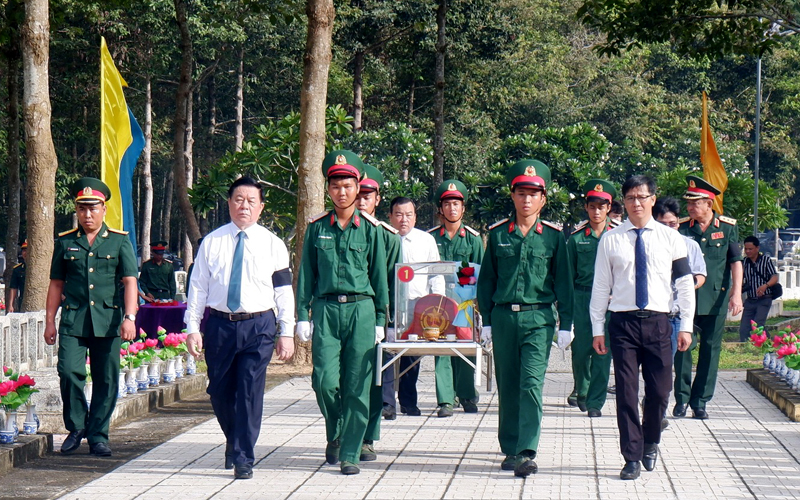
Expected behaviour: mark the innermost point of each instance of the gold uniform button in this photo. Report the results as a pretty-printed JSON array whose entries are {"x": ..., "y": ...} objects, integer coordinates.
[
  {"x": 108, "y": 256},
  {"x": 703, "y": 239},
  {"x": 91, "y": 303},
  {"x": 723, "y": 289},
  {"x": 91, "y": 254},
  {"x": 91, "y": 269},
  {"x": 91, "y": 287}
]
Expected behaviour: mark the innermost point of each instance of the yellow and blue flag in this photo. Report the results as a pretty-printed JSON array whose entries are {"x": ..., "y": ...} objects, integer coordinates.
[{"x": 121, "y": 143}]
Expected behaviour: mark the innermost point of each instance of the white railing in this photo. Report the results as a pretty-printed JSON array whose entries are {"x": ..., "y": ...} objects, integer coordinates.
[{"x": 22, "y": 344}]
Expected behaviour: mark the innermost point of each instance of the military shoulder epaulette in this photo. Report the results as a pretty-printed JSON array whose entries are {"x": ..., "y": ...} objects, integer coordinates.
[
  {"x": 684, "y": 219},
  {"x": 727, "y": 220},
  {"x": 168, "y": 261},
  {"x": 389, "y": 228},
  {"x": 474, "y": 232},
  {"x": 317, "y": 217},
  {"x": 18, "y": 265},
  {"x": 117, "y": 231},
  {"x": 580, "y": 226},
  {"x": 64, "y": 233},
  {"x": 372, "y": 220},
  {"x": 554, "y": 225},
  {"x": 434, "y": 228},
  {"x": 498, "y": 223}
]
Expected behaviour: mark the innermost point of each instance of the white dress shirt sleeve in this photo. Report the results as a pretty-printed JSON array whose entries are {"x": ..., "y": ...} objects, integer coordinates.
[
  {"x": 198, "y": 292},
  {"x": 684, "y": 287},
  {"x": 601, "y": 289},
  {"x": 284, "y": 295}
]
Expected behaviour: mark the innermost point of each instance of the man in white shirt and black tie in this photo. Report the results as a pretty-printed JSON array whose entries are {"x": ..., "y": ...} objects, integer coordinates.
[
  {"x": 242, "y": 275},
  {"x": 636, "y": 264}
]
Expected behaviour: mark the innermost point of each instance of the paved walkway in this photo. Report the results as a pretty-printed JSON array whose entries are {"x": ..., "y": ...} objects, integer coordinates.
[{"x": 748, "y": 449}]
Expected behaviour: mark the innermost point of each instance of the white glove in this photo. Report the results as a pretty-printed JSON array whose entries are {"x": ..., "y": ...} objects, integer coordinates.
[
  {"x": 486, "y": 335},
  {"x": 303, "y": 330},
  {"x": 391, "y": 334},
  {"x": 564, "y": 338},
  {"x": 379, "y": 334}
]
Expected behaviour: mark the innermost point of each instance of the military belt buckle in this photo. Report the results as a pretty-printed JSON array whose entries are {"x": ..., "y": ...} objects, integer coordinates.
[
  {"x": 515, "y": 307},
  {"x": 342, "y": 299}
]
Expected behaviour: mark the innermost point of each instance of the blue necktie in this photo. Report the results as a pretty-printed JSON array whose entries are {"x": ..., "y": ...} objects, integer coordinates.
[
  {"x": 235, "y": 285},
  {"x": 641, "y": 271}
]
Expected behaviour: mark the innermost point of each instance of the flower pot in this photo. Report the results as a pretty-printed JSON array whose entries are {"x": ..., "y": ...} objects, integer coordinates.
[
  {"x": 10, "y": 431},
  {"x": 179, "y": 367},
  {"x": 87, "y": 392},
  {"x": 121, "y": 389},
  {"x": 766, "y": 360},
  {"x": 142, "y": 380},
  {"x": 169, "y": 371},
  {"x": 772, "y": 359},
  {"x": 130, "y": 381},
  {"x": 31, "y": 424},
  {"x": 191, "y": 365},
  {"x": 154, "y": 373}
]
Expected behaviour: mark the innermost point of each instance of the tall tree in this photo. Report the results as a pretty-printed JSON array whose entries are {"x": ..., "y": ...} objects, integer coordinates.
[
  {"x": 40, "y": 152},
  {"x": 438, "y": 100}
]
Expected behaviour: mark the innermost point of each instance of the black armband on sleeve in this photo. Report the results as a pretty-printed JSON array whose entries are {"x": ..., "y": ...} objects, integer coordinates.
[
  {"x": 734, "y": 251},
  {"x": 680, "y": 268},
  {"x": 282, "y": 278}
]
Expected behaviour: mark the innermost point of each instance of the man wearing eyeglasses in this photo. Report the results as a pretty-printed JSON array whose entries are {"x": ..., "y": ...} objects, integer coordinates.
[
  {"x": 635, "y": 266},
  {"x": 718, "y": 237}
]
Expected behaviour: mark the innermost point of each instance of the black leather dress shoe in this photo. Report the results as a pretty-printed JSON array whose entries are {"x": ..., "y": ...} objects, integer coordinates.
[
  {"x": 389, "y": 413},
  {"x": 332, "y": 452},
  {"x": 699, "y": 413},
  {"x": 243, "y": 471},
  {"x": 100, "y": 450},
  {"x": 650, "y": 456},
  {"x": 581, "y": 405},
  {"x": 470, "y": 406},
  {"x": 572, "y": 400},
  {"x": 73, "y": 442},
  {"x": 679, "y": 411},
  {"x": 664, "y": 423},
  {"x": 509, "y": 462},
  {"x": 630, "y": 471},
  {"x": 595, "y": 413},
  {"x": 525, "y": 465},
  {"x": 412, "y": 411}
]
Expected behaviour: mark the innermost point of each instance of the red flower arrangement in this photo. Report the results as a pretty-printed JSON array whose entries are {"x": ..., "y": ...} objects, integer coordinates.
[{"x": 17, "y": 390}]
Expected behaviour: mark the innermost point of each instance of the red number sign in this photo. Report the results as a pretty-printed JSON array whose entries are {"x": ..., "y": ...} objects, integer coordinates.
[{"x": 405, "y": 274}]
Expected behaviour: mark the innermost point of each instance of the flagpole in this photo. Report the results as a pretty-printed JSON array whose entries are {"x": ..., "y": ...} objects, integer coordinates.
[{"x": 758, "y": 145}]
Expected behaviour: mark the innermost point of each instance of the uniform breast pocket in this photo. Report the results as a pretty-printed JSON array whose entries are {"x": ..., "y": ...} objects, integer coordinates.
[
  {"x": 358, "y": 251},
  {"x": 326, "y": 253},
  {"x": 107, "y": 264},
  {"x": 74, "y": 262},
  {"x": 539, "y": 262},
  {"x": 507, "y": 262}
]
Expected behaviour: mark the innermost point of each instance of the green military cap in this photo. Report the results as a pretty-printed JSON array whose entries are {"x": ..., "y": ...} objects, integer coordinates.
[
  {"x": 599, "y": 188},
  {"x": 158, "y": 246},
  {"x": 90, "y": 191},
  {"x": 699, "y": 188},
  {"x": 371, "y": 179},
  {"x": 528, "y": 173},
  {"x": 342, "y": 163},
  {"x": 451, "y": 188}
]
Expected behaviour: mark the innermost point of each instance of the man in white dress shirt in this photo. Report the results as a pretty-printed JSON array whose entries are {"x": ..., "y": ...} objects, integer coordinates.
[
  {"x": 635, "y": 267},
  {"x": 242, "y": 275},
  {"x": 415, "y": 246}
]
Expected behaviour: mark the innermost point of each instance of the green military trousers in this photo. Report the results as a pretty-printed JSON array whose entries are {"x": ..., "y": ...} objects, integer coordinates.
[
  {"x": 590, "y": 371},
  {"x": 709, "y": 338},
  {"x": 343, "y": 354},
  {"x": 454, "y": 377},
  {"x": 521, "y": 349},
  {"x": 104, "y": 357}
]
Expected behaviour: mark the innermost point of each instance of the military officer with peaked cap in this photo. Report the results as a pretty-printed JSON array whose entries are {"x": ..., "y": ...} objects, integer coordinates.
[
  {"x": 458, "y": 242},
  {"x": 718, "y": 237},
  {"x": 590, "y": 370},
  {"x": 342, "y": 287},
  {"x": 523, "y": 273},
  {"x": 89, "y": 263},
  {"x": 157, "y": 278}
]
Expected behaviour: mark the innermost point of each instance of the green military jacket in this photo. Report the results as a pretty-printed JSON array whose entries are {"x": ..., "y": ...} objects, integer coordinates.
[
  {"x": 531, "y": 269},
  {"x": 18, "y": 279},
  {"x": 92, "y": 276},
  {"x": 391, "y": 242},
  {"x": 467, "y": 244},
  {"x": 582, "y": 250},
  {"x": 158, "y": 281},
  {"x": 343, "y": 261},
  {"x": 720, "y": 246}
]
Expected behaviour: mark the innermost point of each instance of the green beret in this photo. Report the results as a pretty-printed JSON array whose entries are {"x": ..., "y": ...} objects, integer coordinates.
[
  {"x": 599, "y": 188},
  {"x": 699, "y": 188},
  {"x": 342, "y": 163},
  {"x": 371, "y": 179},
  {"x": 529, "y": 174},
  {"x": 91, "y": 191},
  {"x": 451, "y": 188}
]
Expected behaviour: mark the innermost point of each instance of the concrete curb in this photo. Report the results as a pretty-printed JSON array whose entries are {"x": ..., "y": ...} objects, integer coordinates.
[
  {"x": 775, "y": 390},
  {"x": 129, "y": 408}
]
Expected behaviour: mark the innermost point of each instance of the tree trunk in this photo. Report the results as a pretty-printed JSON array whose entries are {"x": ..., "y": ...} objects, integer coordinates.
[
  {"x": 147, "y": 173},
  {"x": 183, "y": 94},
  {"x": 12, "y": 56},
  {"x": 313, "y": 101},
  {"x": 411, "y": 95},
  {"x": 187, "y": 245},
  {"x": 166, "y": 220},
  {"x": 240, "y": 101},
  {"x": 358, "y": 85},
  {"x": 212, "y": 109},
  {"x": 438, "y": 100},
  {"x": 40, "y": 152}
]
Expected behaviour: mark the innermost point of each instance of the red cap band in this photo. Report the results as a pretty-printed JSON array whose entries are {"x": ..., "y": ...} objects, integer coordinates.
[
  {"x": 451, "y": 194},
  {"x": 599, "y": 194},
  {"x": 343, "y": 171},
  {"x": 527, "y": 179},
  {"x": 369, "y": 184},
  {"x": 90, "y": 194}
]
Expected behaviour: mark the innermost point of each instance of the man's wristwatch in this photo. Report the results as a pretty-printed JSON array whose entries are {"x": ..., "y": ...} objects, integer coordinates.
[{"x": 131, "y": 317}]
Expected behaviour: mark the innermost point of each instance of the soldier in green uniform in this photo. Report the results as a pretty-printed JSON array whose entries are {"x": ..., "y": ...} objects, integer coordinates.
[
  {"x": 18, "y": 281},
  {"x": 524, "y": 272},
  {"x": 718, "y": 237},
  {"x": 590, "y": 370},
  {"x": 381, "y": 398},
  {"x": 89, "y": 264},
  {"x": 157, "y": 278},
  {"x": 342, "y": 287},
  {"x": 458, "y": 242}
]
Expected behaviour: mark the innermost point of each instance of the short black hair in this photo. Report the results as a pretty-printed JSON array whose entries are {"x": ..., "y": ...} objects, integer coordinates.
[
  {"x": 616, "y": 208},
  {"x": 401, "y": 200},
  {"x": 635, "y": 181},
  {"x": 248, "y": 182},
  {"x": 752, "y": 239},
  {"x": 666, "y": 205}
]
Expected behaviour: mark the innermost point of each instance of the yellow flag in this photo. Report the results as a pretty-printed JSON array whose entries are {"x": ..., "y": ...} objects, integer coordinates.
[
  {"x": 713, "y": 169},
  {"x": 115, "y": 132}
]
